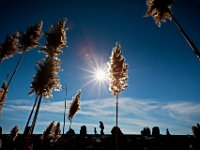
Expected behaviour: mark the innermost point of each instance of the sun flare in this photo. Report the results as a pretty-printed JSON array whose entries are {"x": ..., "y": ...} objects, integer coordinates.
[
  {"x": 95, "y": 73},
  {"x": 100, "y": 75}
]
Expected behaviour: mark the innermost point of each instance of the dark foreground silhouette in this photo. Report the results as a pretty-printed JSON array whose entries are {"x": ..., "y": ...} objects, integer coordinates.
[
  {"x": 115, "y": 141},
  {"x": 104, "y": 142}
]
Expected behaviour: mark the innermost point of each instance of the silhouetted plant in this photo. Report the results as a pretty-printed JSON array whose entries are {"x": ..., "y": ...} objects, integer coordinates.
[
  {"x": 47, "y": 134},
  {"x": 30, "y": 38},
  {"x": 56, "y": 39},
  {"x": 65, "y": 109},
  {"x": 56, "y": 134},
  {"x": 9, "y": 47},
  {"x": 3, "y": 95},
  {"x": 14, "y": 133},
  {"x": 44, "y": 82},
  {"x": 160, "y": 11},
  {"x": 117, "y": 75},
  {"x": 51, "y": 134},
  {"x": 27, "y": 41},
  {"x": 74, "y": 107},
  {"x": 46, "y": 79}
]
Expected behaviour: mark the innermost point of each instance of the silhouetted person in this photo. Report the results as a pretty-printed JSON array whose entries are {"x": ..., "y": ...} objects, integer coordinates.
[
  {"x": 195, "y": 131},
  {"x": 118, "y": 139},
  {"x": 83, "y": 131},
  {"x": 101, "y": 126},
  {"x": 167, "y": 132},
  {"x": 95, "y": 131},
  {"x": 70, "y": 132},
  {"x": 0, "y": 130},
  {"x": 155, "y": 131},
  {"x": 11, "y": 142},
  {"x": 198, "y": 130},
  {"x": 196, "y": 138},
  {"x": 82, "y": 140},
  {"x": 146, "y": 132}
]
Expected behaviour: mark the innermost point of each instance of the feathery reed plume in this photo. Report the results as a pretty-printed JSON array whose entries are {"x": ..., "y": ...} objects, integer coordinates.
[
  {"x": 14, "y": 133},
  {"x": 160, "y": 10},
  {"x": 56, "y": 134},
  {"x": 46, "y": 78},
  {"x": 56, "y": 39},
  {"x": 117, "y": 74},
  {"x": 117, "y": 71},
  {"x": 52, "y": 132},
  {"x": 30, "y": 38},
  {"x": 47, "y": 134},
  {"x": 9, "y": 47},
  {"x": 74, "y": 107},
  {"x": 3, "y": 95}
]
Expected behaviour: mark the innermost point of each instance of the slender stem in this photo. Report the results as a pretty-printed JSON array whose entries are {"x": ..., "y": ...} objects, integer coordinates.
[
  {"x": 29, "y": 118},
  {"x": 16, "y": 67},
  {"x": 64, "y": 118},
  {"x": 187, "y": 38},
  {"x": 70, "y": 124},
  {"x": 117, "y": 110},
  {"x": 35, "y": 116},
  {"x": 28, "y": 140},
  {"x": 116, "y": 132},
  {"x": 65, "y": 111}
]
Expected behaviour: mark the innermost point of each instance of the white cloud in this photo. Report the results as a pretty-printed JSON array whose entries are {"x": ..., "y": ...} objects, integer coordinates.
[
  {"x": 134, "y": 114},
  {"x": 185, "y": 108}
]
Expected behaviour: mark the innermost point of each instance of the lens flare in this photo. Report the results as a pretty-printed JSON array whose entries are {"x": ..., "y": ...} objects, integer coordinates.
[{"x": 100, "y": 75}]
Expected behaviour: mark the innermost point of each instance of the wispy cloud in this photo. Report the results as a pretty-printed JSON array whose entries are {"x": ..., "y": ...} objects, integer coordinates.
[{"x": 134, "y": 114}]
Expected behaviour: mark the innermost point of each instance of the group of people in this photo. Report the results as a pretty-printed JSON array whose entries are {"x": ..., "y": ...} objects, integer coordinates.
[{"x": 117, "y": 140}]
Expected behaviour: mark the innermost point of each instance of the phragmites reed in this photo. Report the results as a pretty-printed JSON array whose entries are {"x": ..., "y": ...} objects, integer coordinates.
[
  {"x": 52, "y": 132},
  {"x": 57, "y": 132},
  {"x": 117, "y": 71},
  {"x": 117, "y": 74},
  {"x": 14, "y": 133},
  {"x": 30, "y": 38},
  {"x": 3, "y": 95},
  {"x": 56, "y": 39},
  {"x": 46, "y": 78},
  {"x": 9, "y": 47},
  {"x": 47, "y": 134},
  {"x": 159, "y": 10},
  {"x": 74, "y": 107}
]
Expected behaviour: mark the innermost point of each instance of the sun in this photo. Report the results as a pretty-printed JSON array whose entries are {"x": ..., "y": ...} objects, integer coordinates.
[
  {"x": 95, "y": 73},
  {"x": 100, "y": 75}
]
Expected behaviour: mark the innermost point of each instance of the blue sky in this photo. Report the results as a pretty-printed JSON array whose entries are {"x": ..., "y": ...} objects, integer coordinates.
[{"x": 163, "y": 71}]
